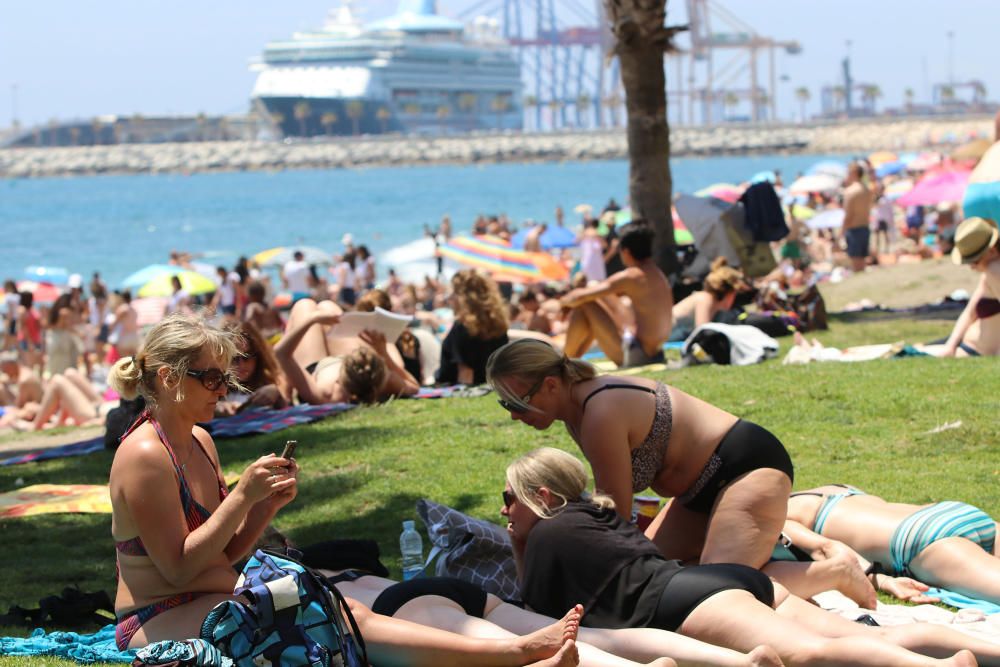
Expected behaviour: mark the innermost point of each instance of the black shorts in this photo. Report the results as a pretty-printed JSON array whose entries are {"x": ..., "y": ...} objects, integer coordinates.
[
  {"x": 468, "y": 596},
  {"x": 693, "y": 585},
  {"x": 744, "y": 448}
]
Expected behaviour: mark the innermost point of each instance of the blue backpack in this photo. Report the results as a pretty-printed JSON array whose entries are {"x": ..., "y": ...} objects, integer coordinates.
[{"x": 294, "y": 617}]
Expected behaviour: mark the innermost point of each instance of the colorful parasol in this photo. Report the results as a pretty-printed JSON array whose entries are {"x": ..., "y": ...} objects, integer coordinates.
[
  {"x": 191, "y": 282},
  {"x": 681, "y": 234},
  {"x": 282, "y": 254},
  {"x": 945, "y": 187},
  {"x": 816, "y": 183},
  {"x": 40, "y": 292},
  {"x": 502, "y": 262},
  {"x": 725, "y": 191},
  {"x": 554, "y": 236}
]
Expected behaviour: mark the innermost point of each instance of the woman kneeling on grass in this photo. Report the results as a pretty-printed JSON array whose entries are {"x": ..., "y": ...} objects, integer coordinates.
[
  {"x": 569, "y": 545},
  {"x": 730, "y": 478},
  {"x": 178, "y": 531}
]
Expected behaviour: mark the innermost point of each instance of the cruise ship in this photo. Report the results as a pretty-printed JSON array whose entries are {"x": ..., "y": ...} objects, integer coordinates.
[{"x": 413, "y": 72}]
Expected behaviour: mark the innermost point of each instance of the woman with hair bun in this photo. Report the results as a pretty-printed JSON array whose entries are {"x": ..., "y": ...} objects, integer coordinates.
[
  {"x": 729, "y": 478},
  {"x": 719, "y": 290},
  {"x": 177, "y": 529}
]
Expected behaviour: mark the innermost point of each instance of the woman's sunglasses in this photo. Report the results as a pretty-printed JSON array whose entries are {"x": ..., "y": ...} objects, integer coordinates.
[
  {"x": 517, "y": 409},
  {"x": 211, "y": 378},
  {"x": 244, "y": 356},
  {"x": 508, "y": 498}
]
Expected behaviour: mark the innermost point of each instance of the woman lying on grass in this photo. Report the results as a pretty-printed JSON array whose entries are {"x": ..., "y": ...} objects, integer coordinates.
[
  {"x": 570, "y": 545},
  {"x": 178, "y": 531},
  {"x": 729, "y": 478},
  {"x": 948, "y": 544}
]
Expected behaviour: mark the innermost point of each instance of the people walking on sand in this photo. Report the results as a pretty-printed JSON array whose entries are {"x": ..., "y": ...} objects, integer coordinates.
[
  {"x": 857, "y": 213},
  {"x": 597, "y": 313},
  {"x": 295, "y": 276}
]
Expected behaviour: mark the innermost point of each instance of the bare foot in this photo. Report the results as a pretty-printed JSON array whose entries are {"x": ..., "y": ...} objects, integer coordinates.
[
  {"x": 963, "y": 658},
  {"x": 764, "y": 656},
  {"x": 567, "y": 656},
  {"x": 550, "y": 640},
  {"x": 663, "y": 662},
  {"x": 851, "y": 579}
]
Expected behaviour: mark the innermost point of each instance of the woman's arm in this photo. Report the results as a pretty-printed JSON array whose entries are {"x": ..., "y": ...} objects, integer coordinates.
[
  {"x": 965, "y": 320},
  {"x": 703, "y": 307},
  {"x": 284, "y": 351},
  {"x": 603, "y": 439},
  {"x": 146, "y": 482}
]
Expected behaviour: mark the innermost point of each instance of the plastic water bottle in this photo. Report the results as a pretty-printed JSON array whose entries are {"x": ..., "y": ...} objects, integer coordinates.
[{"x": 411, "y": 545}]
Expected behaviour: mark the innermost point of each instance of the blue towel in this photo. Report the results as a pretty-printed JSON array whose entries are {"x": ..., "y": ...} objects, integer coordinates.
[
  {"x": 98, "y": 647},
  {"x": 963, "y": 601}
]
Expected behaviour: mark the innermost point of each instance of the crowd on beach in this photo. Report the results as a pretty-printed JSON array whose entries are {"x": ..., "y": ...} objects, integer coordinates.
[{"x": 707, "y": 582}]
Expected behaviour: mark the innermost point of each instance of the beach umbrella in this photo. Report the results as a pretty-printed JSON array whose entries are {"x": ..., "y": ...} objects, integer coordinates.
[
  {"x": 982, "y": 197},
  {"x": 946, "y": 187},
  {"x": 829, "y": 219},
  {"x": 816, "y": 183},
  {"x": 147, "y": 273},
  {"x": 504, "y": 263},
  {"x": 829, "y": 168},
  {"x": 972, "y": 151},
  {"x": 192, "y": 282},
  {"x": 890, "y": 168},
  {"x": 681, "y": 234},
  {"x": 282, "y": 254},
  {"x": 554, "y": 236},
  {"x": 727, "y": 192},
  {"x": 801, "y": 212},
  {"x": 41, "y": 292},
  {"x": 897, "y": 189},
  {"x": 52, "y": 275},
  {"x": 878, "y": 158},
  {"x": 924, "y": 161},
  {"x": 149, "y": 310},
  {"x": 761, "y": 176}
]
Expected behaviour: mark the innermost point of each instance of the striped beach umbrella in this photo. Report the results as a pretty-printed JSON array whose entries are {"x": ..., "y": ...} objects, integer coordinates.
[
  {"x": 502, "y": 262},
  {"x": 724, "y": 191}
]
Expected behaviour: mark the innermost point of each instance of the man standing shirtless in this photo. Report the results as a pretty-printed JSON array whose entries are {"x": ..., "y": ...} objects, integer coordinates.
[
  {"x": 857, "y": 214},
  {"x": 598, "y": 315}
]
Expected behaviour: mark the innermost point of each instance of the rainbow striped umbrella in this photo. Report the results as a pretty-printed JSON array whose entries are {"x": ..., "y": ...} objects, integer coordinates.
[
  {"x": 502, "y": 262},
  {"x": 681, "y": 234}
]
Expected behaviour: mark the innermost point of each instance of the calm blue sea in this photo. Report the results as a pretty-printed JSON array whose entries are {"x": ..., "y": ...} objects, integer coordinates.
[{"x": 118, "y": 224}]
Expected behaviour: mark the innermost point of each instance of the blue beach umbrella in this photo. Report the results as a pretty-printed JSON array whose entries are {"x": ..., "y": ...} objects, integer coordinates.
[
  {"x": 890, "y": 168},
  {"x": 762, "y": 176},
  {"x": 553, "y": 237},
  {"x": 53, "y": 275}
]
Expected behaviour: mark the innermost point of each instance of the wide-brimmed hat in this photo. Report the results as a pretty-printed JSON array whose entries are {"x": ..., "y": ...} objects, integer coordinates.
[{"x": 973, "y": 239}]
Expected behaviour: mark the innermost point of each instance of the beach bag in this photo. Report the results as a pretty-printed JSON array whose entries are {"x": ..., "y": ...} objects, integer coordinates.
[
  {"x": 292, "y": 617},
  {"x": 469, "y": 549},
  {"x": 810, "y": 308}
]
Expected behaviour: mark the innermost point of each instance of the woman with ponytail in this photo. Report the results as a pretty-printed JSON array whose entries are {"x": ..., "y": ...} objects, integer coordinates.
[{"x": 729, "y": 478}]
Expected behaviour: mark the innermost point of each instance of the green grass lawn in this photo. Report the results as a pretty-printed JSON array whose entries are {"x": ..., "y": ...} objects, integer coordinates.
[{"x": 867, "y": 424}]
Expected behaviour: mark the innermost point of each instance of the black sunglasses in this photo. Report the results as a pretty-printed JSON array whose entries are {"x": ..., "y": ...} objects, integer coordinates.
[
  {"x": 211, "y": 378},
  {"x": 244, "y": 356},
  {"x": 517, "y": 409},
  {"x": 508, "y": 498}
]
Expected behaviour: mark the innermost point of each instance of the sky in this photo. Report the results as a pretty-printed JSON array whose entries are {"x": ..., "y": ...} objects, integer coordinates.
[{"x": 68, "y": 59}]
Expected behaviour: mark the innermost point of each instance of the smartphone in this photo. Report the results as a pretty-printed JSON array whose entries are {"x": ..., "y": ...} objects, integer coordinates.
[{"x": 289, "y": 450}]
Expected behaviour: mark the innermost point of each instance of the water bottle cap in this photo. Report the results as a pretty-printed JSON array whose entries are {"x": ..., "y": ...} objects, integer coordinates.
[{"x": 408, "y": 525}]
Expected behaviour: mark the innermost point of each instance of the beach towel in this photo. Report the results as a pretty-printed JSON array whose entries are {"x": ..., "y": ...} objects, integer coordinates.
[
  {"x": 98, "y": 647},
  {"x": 453, "y": 391},
  {"x": 73, "y": 449},
  {"x": 268, "y": 420}
]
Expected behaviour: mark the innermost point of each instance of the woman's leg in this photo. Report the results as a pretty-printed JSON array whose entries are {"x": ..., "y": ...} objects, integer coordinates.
[
  {"x": 177, "y": 623},
  {"x": 679, "y": 532},
  {"x": 839, "y": 573},
  {"x": 959, "y": 565},
  {"x": 393, "y": 641},
  {"x": 747, "y": 518},
  {"x": 61, "y": 395},
  {"x": 82, "y": 383},
  {"x": 636, "y": 644},
  {"x": 928, "y": 639},
  {"x": 312, "y": 347},
  {"x": 736, "y": 619}
]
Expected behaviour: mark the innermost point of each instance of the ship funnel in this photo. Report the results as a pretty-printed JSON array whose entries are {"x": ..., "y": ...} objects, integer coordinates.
[{"x": 420, "y": 7}]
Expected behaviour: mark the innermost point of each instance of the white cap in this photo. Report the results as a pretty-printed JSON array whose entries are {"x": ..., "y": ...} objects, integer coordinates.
[
  {"x": 347, "y": 239},
  {"x": 75, "y": 281}
]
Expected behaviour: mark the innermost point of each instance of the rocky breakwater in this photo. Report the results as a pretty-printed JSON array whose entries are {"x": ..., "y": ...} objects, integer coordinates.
[
  {"x": 375, "y": 151},
  {"x": 864, "y": 137}
]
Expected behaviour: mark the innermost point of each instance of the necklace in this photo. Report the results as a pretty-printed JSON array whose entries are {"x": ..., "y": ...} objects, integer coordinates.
[{"x": 194, "y": 445}]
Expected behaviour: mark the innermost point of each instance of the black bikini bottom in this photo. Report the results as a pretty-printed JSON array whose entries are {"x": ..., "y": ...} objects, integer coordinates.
[
  {"x": 469, "y": 597},
  {"x": 744, "y": 448},
  {"x": 693, "y": 585}
]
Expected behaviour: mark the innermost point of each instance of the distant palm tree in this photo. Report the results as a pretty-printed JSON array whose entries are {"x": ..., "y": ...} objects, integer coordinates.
[
  {"x": 554, "y": 106},
  {"x": 908, "y": 94},
  {"x": 500, "y": 104},
  {"x": 803, "y": 95},
  {"x": 730, "y": 101},
  {"x": 947, "y": 94},
  {"x": 412, "y": 109},
  {"x": 355, "y": 109},
  {"x": 839, "y": 97},
  {"x": 96, "y": 128},
  {"x": 442, "y": 112},
  {"x": 278, "y": 121},
  {"x": 328, "y": 120},
  {"x": 383, "y": 115},
  {"x": 614, "y": 103},
  {"x": 202, "y": 121},
  {"x": 302, "y": 111},
  {"x": 529, "y": 102},
  {"x": 978, "y": 92}
]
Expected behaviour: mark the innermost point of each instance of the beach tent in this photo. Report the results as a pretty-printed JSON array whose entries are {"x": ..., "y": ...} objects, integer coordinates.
[
  {"x": 948, "y": 186},
  {"x": 502, "y": 262},
  {"x": 554, "y": 236},
  {"x": 718, "y": 229},
  {"x": 982, "y": 197}
]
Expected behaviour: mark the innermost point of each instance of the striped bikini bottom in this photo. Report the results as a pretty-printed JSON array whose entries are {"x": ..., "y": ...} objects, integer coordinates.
[
  {"x": 134, "y": 620},
  {"x": 936, "y": 522}
]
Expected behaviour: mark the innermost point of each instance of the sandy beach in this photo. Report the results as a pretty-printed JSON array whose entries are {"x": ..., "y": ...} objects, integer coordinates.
[{"x": 858, "y": 136}]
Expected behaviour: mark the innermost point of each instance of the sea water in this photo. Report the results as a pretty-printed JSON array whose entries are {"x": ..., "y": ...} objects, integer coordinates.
[{"x": 119, "y": 224}]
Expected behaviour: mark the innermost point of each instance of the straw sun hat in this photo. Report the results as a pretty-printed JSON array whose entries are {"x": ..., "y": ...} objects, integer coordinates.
[{"x": 973, "y": 239}]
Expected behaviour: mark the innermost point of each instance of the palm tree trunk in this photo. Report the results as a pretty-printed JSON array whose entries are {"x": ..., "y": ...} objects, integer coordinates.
[{"x": 641, "y": 40}]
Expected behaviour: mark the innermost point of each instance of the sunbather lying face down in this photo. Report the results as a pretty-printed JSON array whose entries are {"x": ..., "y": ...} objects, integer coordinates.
[
  {"x": 948, "y": 544},
  {"x": 729, "y": 477},
  {"x": 579, "y": 547}
]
